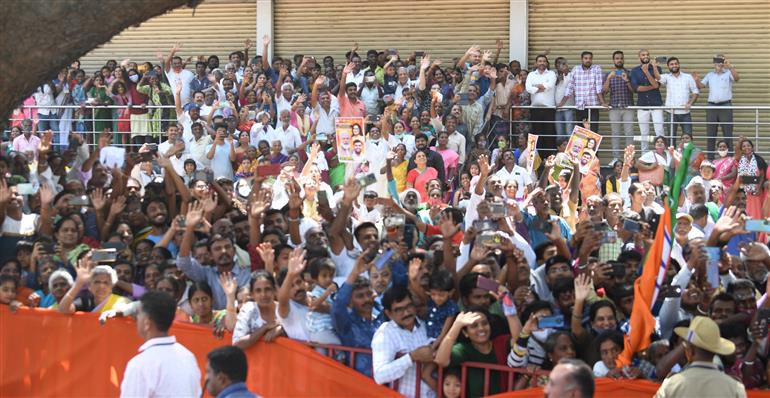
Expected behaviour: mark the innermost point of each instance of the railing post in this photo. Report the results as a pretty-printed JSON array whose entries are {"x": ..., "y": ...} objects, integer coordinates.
[
  {"x": 418, "y": 379},
  {"x": 463, "y": 379},
  {"x": 756, "y": 126}
]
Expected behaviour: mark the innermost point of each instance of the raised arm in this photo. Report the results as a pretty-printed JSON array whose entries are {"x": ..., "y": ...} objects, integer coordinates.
[
  {"x": 424, "y": 64},
  {"x": 341, "y": 92},
  {"x": 444, "y": 352},
  {"x": 337, "y": 229},
  {"x": 265, "y": 52},
  {"x": 174, "y": 49},
  {"x": 296, "y": 265}
]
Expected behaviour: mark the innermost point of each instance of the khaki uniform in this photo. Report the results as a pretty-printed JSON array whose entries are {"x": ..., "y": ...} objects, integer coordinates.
[{"x": 702, "y": 380}]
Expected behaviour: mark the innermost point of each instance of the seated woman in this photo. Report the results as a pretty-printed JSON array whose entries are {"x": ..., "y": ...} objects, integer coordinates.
[
  {"x": 202, "y": 298},
  {"x": 99, "y": 297},
  {"x": 258, "y": 319},
  {"x": 475, "y": 344},
  {"x": 418, "y": 177},
  {"x": 59, "y": 283}
]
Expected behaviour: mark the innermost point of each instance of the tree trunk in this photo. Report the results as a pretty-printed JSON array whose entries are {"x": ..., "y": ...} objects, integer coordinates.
[{"x": 41, "y": 37}]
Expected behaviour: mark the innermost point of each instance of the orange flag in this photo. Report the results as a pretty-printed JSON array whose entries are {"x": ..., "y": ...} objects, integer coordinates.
[{"x": 646, "y": 289}]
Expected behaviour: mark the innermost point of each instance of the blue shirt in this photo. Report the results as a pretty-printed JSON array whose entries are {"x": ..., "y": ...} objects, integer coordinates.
[
  {"x": 536, "y": 226},
  {"x": 198, "y": 273},
  {"x": 437, "y": 316},
  {"x": 646, "y": 98},
  {"x": 236, "y": 390},
  {"x": 352, "y": 329}
]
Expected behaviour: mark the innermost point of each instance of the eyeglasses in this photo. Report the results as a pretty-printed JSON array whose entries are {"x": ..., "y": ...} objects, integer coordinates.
[{"x": 402, "y": 309}]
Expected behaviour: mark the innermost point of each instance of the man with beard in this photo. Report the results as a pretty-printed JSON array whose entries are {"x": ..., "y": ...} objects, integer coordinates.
[
  {"x": 224, "y": 227},
  {"x": 618, "y": 84},
  {"x": 644, "y": 80},
  {"x": 435, "y": 159},
  {"x": 222, "y": 254},
  {"x": 292, "y": 297},
  {"x": 352, "y": 315},
  {"x": 586, "y": 87},
  {"x": 681, "y": 92},
  {"x": 157, "y": 214},
  {"x": 403, "y": 334}
]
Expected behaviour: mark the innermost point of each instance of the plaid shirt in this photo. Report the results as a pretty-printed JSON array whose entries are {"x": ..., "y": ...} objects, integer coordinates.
[
  {"x": 620, "y": 95},
  {"x": 585, "y": 85}
]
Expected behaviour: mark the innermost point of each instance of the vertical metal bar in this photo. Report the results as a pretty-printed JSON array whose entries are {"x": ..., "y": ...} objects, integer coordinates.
[
  {"x": 671, "y": 128},
  {"x": 352, "y": 361},
  {"x": 756, "y": 126},
  {"x": 440, "y": 384},
  {"x": 418, "y": 379},
  {"x": 463, "y": 380},
  {"x": 510, "y": 381}
]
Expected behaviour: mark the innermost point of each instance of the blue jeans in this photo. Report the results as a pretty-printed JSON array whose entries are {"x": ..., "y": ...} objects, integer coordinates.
[
  {"x": 684, "y": 121},
  {"x": 564, "y": 121},
  {"x": 47, "y": 122}
]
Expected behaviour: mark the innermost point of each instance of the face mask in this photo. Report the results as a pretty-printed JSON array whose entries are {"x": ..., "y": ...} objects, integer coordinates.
[
  {"x": 722, "y": 153},
  {"x": 542, "y": 334},
  {"x": 134, "y": 78},
  {"x": 399, "y": 136}
]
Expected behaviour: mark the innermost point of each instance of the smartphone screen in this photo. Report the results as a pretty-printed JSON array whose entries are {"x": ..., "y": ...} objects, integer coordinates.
[
  {"x": 631, "y": 225},
  {"x": 366, "y": 180},
  {"x": 487, "y": 284},
  {"x": 718, "y": 60},
  {"x": 712, "y": 266},
  {"x": 484, "y": 225},
  {"x": 383, "y": 258},
  {"x": 661, "y": 60},
  {"x": 618, "y": 269},
  {"x": 104, "y": 255},
  {"x": 555, "y": 321},
  {"x": 25, "y": 189},
  {"x": 750, "y": 179},
  {"x": 757, "y": 226},
  {"x": 81, "y": 200},
  {"x": 419, "y": 53}
]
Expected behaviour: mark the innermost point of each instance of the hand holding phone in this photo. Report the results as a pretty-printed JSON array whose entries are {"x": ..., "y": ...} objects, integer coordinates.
[{"x": 487, "y": 284}]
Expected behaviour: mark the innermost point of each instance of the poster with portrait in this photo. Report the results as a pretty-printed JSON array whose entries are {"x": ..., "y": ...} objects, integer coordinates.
[
  {"x": 582, "y": 148},
  {"x": 351, "y": 140},
  {"x": 531, "y": 151}
]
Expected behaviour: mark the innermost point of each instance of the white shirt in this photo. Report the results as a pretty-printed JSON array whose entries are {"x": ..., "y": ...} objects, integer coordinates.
[
  {"x": 24, "y": 227},
  {"x": 186, "y": 121},
  {"x": 197, "y": 149},
  {"x": 259, "y": 133},
  {"x": 720, "y": 85},
  {"x": 548, "y": 80},
  {"x": 391, "y": 340},
  {"x": 456, "y": 142},
  {"x": 561, "y": 88},
  {"x": 518, "y": 174},
  {"x": 357, "y": 78},
  {"x": 163, "y": 368},
  {"x": 375, "y": 154},
  {"x": 184, "y": 76},
  {"x": 281, "y": 103},
  {"x": 176, "y": 160},
  {"x": 678, "y": 90},
  {"x": 406, "y": 139},
  {"x": 295, "y": 324},
  {"x": 45, "y": 99},
  {"x": 290, "y": 138},
  {"x": 325, "y": 119}
]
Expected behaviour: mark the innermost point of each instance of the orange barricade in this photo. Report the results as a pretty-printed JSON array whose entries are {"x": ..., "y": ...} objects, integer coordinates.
[
  {"x": 44, "y": 353},
  {"x": 614, "y": 389}
]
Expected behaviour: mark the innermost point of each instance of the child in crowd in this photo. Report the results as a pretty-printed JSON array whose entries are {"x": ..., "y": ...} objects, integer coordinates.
[
  {"x": 451, "y": 387},
  {"x": 319, "y": 321},
  {"x": 441, "y": 308},
  {"x": 8, "y": 287},
  {"x": 610, "y": 344},
  {"x": 245, "y": 170}
]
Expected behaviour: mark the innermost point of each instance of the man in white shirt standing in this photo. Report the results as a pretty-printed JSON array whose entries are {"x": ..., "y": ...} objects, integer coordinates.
[
  {"x": 564, "y": 116},
  {"x": 720, "y": 83},
  {"x": 681, "y": 92},
  {"x": 541, "y": 86},
  {"x": 288, "y": 134},
  {"x": 399, "y": 343},
  {"x": 175, "y": 72},
  {"x": 513, "y": 172},
  {"x": 163, "y": 368}
]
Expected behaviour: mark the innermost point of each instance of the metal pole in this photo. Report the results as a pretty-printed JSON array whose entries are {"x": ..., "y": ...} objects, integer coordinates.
[{"x": 756, "y": 126}]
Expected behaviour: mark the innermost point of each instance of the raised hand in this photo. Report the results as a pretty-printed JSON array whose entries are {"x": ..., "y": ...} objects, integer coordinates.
[
  {"x": 98, "y": 199},
  {"x": 425, "y": 62},
  {"x": 447, "y": 226},
  {"x": 266, "y": 252},
  {"x": 228, "y": 284},
  {"x": 118, "y": 205},
  {"x": 194, "y": 214},
  {"x": 210, "y": 202},
  {"x": 582, "y": 287},
  {"x": 178, "y": 87},
  {"x": 293, "y": 190},
  {"x": 46, "y": 195},
  {"x": 351, "y": 190},
  {"x": 5, "y": 192},
  {"x": 499, "y": 44},
  {"x": 83, "y": 269},
  {"x": 45, "y": 141},
  {"x": 260, "y": 202},
  {"x": 484, "y": 165},
  {"x": 247, "y": 44},
  {"x": 296, "y": 261},
  {"x": 266, "y": 40},
  {"x": 464, "y": 319}
]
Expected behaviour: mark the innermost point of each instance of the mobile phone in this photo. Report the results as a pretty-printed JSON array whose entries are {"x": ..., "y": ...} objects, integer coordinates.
[
  {"x": 750, "y": 179},
  {"x": 26, "y": 189},
  {"x": 618, "y": 72},
  {"x": 485, "y": 225},
  {"x": 419, "y": 53},
  {"x": 673, "y": 292},
  {"x": 488, "y": 239},
  {"x": 370, "y": 255},
  {"x": 661, "y": 60},
  {"x": 631, "y": 225},
  {"x": 763, "y": 314},
  {"x": 618, "y": 269},
  {"x": 323, "y": 199},
  {"x": 718, "y": 60},
  {"x": 757, "y": 226},
  {"x": 464, "y": 99},
  {"x": 497, "y": 209},
  {"x": 119, "y": 246},
  {"x": 320, "y": 137},
  {"x": 712, "y": 265},
  {"x": 409, "y": 235},
  {"x": 376, "y": 118},
  {"x": 554, "y": 321},
  {"x": 153, "y": 148},
  {"x": 391, "y": 51},
  {"x": 366, "y": 180},
  {"x": 269, "y": 170},
  {"x": 601, "y": 226},
  {"x": 487, "y": 284},
  {"x": 383, "y": 258},
  {"x": 104, "y": 255},
  {"x": 81, "y": 200},
  {"x": 394, "y": 221},
  {"x": 610, "y": 236}
]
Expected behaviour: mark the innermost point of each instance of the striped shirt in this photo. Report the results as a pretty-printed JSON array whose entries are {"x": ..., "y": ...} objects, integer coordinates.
[
  {"x": 391, "y": 346},
  {"x": 585, "y": 85}
]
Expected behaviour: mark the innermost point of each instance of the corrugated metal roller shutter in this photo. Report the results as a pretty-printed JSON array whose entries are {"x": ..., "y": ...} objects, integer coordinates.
[
  {"x": 692, "y": 30},
  {"x": 218, "y": 27},
  {"x": 444, "y": 28}
]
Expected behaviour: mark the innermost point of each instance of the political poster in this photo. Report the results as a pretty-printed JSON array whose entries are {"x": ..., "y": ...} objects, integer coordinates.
[
  {"x": 531, "y": 151},
  {"x": 351, "y": 141},
  {"x": 582, "y": 148}
]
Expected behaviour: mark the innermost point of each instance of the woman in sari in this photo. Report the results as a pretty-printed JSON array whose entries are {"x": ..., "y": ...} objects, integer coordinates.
[
  {"x": 725, "y": 166},
  {"x": 158, "y": 93},
  {"x": 419, "y": 176},
  {"x": 99, "y": 297},
  {"x": 752, "y": 170}
]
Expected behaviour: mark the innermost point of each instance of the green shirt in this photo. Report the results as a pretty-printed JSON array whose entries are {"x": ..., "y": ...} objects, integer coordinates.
[{"x": 465, "y": 352}]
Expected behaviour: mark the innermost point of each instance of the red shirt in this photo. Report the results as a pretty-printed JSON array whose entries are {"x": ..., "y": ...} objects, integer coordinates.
[{"x": 137, "y": 99}]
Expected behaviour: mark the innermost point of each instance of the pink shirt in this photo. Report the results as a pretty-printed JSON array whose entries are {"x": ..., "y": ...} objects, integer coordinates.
[
  {"x": 349, "y": 109},
  {"x": 24, "y": 145}
]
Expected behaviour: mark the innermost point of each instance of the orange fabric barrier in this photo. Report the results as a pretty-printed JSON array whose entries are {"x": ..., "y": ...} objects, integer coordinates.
[
  {"x": 45, "y": 354},
  {"x": 609, "y": 388}
]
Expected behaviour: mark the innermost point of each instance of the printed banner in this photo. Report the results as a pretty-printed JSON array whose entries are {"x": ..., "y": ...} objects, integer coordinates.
[
  {"x": 351, "y": 139},
  {"x": 531, "y": 151},
  {"x": 582, "y": 147}
]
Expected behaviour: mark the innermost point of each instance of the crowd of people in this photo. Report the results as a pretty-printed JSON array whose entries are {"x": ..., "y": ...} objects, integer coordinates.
[{"x": 444, "y": 244}]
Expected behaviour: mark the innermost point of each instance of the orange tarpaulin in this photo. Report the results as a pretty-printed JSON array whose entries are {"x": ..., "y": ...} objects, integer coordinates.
[
  {"x": 44, "y": 353},
  {"x": 608, "y": 388}
]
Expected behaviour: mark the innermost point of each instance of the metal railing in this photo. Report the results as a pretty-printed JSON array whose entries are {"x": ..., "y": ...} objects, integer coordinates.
[{"x": 752, "y": 121}]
